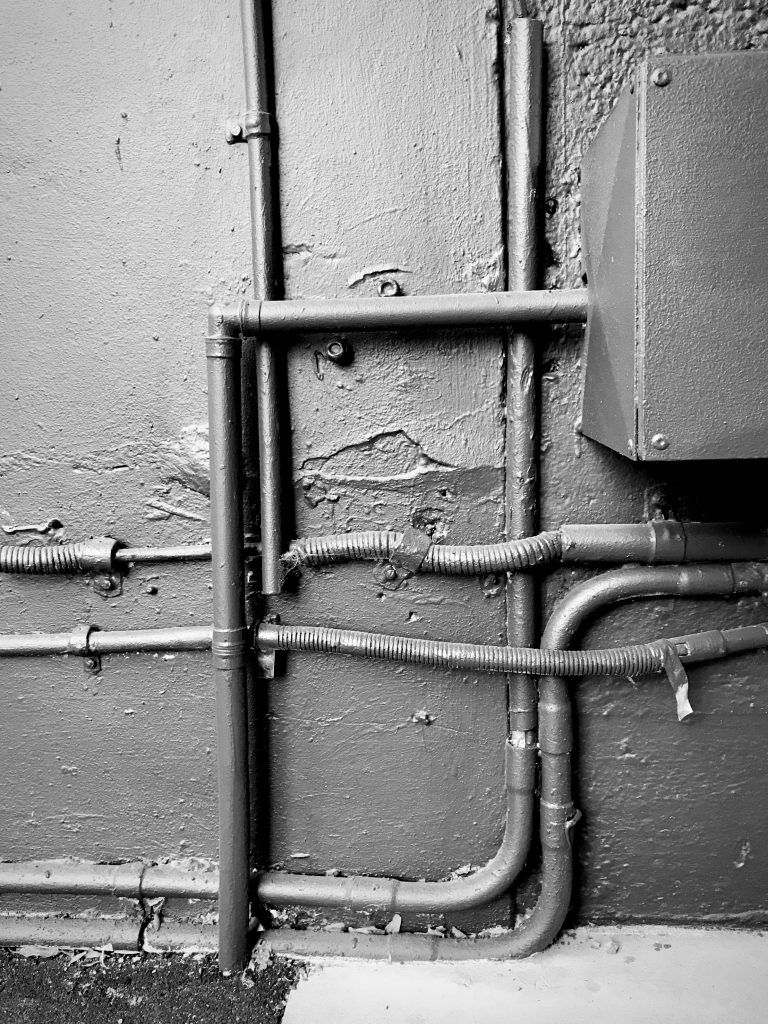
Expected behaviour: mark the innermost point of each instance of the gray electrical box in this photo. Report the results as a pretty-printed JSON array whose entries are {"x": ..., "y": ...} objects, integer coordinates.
[{"x": 675, "y": 244}]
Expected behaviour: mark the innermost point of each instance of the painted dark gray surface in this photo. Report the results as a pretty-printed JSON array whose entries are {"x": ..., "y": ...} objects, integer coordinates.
[
  {"x": 390, "y": 168},
  {"x": 675, "y": 231}
]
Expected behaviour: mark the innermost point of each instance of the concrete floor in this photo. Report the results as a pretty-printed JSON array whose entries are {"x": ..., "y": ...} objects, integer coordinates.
[{"x": 617, "y": 976}]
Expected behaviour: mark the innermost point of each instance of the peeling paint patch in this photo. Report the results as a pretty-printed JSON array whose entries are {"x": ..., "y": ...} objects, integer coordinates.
[
  {"x": 168, "y": 510},
  {"x": 485, "y": 272},
  {"x": 368, "y": 272},
  {"x": 381, "y": 459}
]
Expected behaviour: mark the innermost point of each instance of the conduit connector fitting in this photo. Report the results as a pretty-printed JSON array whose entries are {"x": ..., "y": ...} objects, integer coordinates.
[
  {"x": 225, "y": 327},
  {"x": 95, "y": 556}
]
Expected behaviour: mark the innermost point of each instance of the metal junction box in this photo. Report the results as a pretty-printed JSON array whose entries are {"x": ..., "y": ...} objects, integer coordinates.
[{"x": 675, "y": 242}]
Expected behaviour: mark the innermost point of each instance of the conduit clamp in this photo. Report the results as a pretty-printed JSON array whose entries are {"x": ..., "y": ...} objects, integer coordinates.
[
  {"x": 78, "y": 645},
  {"x": 405, "y": 561}
]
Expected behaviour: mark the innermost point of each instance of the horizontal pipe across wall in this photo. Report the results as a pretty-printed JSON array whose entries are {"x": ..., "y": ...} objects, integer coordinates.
[
  {"x": 410, "y": 312},
  {"x": 87, "y": 641}
]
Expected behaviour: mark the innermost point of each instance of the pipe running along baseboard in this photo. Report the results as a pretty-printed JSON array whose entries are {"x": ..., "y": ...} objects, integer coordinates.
[
  {"x": 557, "y": 814},
  {"x": 583, "y": 601}
]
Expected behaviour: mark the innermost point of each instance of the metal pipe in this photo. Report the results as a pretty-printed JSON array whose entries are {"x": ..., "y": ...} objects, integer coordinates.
[
  {"x": 230, "y": 641},
  {"x": 90, "y": 640},
  {"x": 358, "y": 892},
  {"x": 523, "y": 111},
  {"x": 411, "y": 312},
  {"x": 557, "y": 814},
  {"x": 70, "y": 932},
  {"x": 539, "y": 929},
  {"x": 135, "y": 880},
  {"x": 259, "y": 359},
  {"x": 656, "y": 542},
  {"x": 177, "y": 553},
  {"x": 637, "y": 659},
  {"x": 161, "y": 936}
]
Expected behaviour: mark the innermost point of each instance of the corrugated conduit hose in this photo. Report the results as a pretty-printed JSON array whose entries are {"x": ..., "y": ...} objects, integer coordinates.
[
  {"x": 58, "y": 559},
  {"x": 445, "y": 559},
  {"x": 637, "y": 659}
]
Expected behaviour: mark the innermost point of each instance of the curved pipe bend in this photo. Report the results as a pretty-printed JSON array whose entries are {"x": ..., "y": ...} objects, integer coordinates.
[
  {"x": 558, "y": 815},
  {"x": 362, "y": 892}
]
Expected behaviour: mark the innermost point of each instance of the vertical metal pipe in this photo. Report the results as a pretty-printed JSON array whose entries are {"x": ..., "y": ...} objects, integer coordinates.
[
  {"x": 523, "y": 126},
  {"x": 260, "y": 371},
  {"x": 230, "y": 640}
]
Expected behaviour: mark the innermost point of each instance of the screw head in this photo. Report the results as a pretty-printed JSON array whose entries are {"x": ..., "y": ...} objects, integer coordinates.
[
  {"x": 106, "y": 583},
  {"x": 390, "y": 573},
  {"x": 90, "y": 664},
  {"x": 661, "y": 77},
  {"x": 233, "y": 130},
  {"x": 388, "y": 288},
  {"x": 660, "y": 442},
  {"x": 339, "y": 351}
]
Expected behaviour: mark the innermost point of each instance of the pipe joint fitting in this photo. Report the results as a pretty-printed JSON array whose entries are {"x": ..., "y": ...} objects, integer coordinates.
[
  {"x": 224, "y": 331},
  {"x": 750, "y": 577},
  {"x": 556, "y": 822},
  {"x": 520, "y": 763},
  {"x": 229, "y": 647},
  {"x": 555, "y": 729}
]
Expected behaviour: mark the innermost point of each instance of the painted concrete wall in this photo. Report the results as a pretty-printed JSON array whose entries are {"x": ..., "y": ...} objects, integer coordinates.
[{"x": 123, "y": 213}]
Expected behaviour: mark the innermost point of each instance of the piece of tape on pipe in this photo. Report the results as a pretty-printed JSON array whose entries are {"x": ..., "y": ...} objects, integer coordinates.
[{"x": 678, "y": 680}]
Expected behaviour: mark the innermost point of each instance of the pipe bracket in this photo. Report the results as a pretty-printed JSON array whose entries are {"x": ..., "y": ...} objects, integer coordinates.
[{"x": 405, "y": 561}]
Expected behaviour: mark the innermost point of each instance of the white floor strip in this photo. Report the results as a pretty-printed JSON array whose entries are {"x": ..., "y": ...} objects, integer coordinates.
[{"x": 621, "y": 976}]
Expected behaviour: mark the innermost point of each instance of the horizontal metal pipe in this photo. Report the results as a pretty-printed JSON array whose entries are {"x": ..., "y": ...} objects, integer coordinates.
[
  {"x": 133, "y": 880},
  {"x": 662, "y": 542},
  {"x": 178, "y": 553},
  {"x": 87, "y": 641},
  {"x": 70, "y": 932},
  {"x": 410, "y": 312}
]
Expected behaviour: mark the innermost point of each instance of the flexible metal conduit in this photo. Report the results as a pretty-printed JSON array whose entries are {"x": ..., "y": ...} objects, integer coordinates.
[
  {"x": 657, "y": 542},
  {"x": 637, "y": 659},
  {"x": 557, "y": 814},
  {"x": 102, "y": 554},
  {"x": 43, "y": 559}
]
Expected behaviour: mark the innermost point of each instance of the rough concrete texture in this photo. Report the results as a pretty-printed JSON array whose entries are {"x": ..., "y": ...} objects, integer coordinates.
[{"x": 124, "y": 212}]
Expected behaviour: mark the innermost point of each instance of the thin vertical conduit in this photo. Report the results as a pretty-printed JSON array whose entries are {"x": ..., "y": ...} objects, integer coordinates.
[
  {"x": 523, "y": 54},
  {"x": 260, "y": 364}
]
